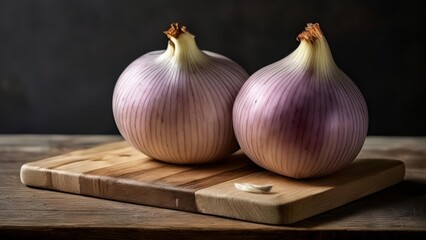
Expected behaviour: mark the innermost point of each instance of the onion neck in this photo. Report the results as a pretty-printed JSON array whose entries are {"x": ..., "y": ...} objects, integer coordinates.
[
  {"x": 313, "y": 52},
  {"x": 182, "y": 48}
]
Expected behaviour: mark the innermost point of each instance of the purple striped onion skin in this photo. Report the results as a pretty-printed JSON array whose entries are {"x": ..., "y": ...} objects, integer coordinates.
[
  {"x": 176, "y": 105},
  {"x": 301, "y": 117}
]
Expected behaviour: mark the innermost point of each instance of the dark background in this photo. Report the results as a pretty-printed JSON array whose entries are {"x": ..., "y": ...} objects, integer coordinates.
[{"x": 60, "y": 59}]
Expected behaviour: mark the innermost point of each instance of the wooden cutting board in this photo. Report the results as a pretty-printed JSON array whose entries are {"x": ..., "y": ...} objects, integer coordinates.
[{"x": 119, "y": 172}]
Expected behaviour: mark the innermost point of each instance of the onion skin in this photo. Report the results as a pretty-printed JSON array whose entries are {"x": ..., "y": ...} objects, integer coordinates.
[
  {"x": 301, "y": 117},
  {"x": 176, "y": 105}
]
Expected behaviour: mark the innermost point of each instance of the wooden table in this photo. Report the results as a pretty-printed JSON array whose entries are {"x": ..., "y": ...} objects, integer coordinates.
[{"x": 395, "y": 213}]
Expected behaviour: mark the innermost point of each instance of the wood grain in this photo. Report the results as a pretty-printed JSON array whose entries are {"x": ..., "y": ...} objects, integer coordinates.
[
  {"x": 119, "y": 172},
  {"x": 397, "y": 212}
]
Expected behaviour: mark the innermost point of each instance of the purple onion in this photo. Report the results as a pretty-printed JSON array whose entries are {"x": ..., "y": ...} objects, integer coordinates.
[
  {"x": 176, "y": 105},
  {"x": 301, "y": 117}
]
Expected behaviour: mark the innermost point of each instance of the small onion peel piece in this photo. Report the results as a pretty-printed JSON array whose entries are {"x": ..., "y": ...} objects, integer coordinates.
[{"x": 253, "y": 188}]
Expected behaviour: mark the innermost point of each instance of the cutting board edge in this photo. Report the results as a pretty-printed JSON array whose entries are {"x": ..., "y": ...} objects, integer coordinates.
[
  {"x": 51, "y": 179},
  {"x": 32, "y": 175},
  {"x": 389, "y": 177}
]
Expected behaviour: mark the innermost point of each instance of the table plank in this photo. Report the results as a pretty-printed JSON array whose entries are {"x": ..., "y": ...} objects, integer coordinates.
[{"x": 399, "y": 211}]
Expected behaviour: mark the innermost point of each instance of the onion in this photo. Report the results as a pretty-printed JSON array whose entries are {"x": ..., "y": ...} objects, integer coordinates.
[
  {"x": 301, "y": 117},
  {"x": 176, "y": 105}
]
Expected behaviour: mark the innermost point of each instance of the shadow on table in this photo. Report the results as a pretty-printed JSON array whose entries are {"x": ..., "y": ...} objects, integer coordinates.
[{"x": 404, "y": 201}]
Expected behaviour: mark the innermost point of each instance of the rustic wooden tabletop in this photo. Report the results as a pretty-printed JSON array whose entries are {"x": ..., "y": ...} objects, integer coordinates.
[{"x": 393, "y": 213}]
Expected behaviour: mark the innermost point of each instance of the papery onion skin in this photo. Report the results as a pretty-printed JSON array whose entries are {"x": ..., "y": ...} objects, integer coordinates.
[
  {"x": 176, "y": 105},
  {"x": 301, "y": 117}
]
